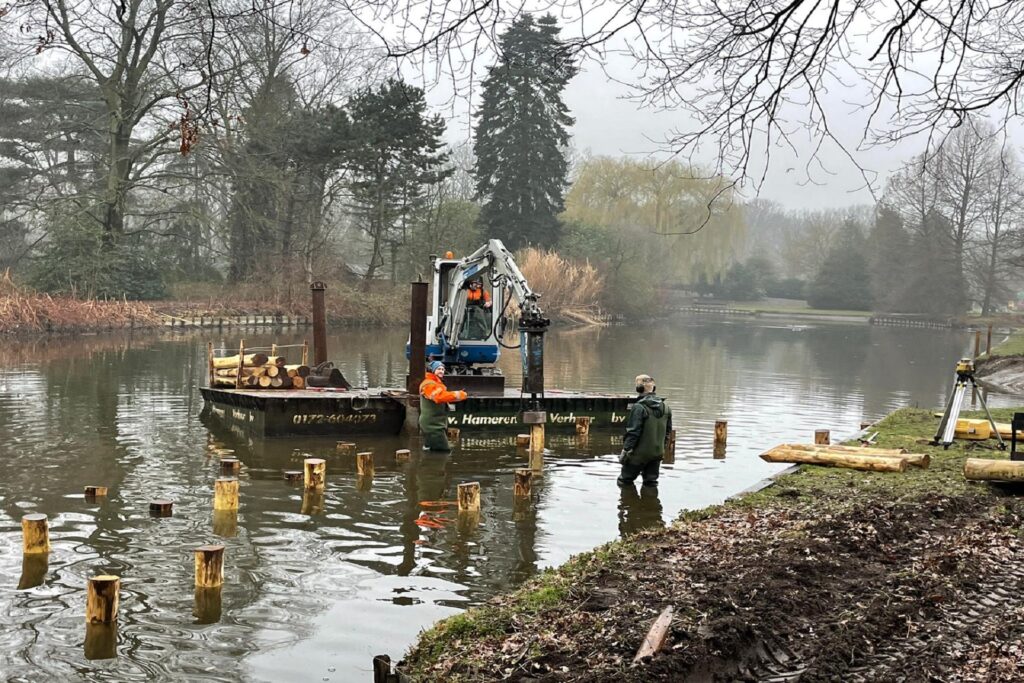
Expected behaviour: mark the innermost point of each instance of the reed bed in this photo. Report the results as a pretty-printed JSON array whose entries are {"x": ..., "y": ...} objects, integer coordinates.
[{"x": 570, "y": 291}]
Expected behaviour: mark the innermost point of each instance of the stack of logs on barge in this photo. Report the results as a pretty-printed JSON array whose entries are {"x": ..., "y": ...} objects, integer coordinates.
[{"x": 251, "y": 369}]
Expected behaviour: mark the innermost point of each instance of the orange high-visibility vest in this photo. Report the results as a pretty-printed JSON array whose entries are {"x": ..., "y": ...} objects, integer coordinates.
[{"x": 433, "y": 388}]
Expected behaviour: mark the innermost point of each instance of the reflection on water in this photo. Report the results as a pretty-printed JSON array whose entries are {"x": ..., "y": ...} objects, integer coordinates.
[{"x": 317, "y": 583}]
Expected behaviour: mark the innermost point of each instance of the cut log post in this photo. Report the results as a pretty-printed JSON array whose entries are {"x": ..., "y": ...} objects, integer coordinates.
[
  {"x": 94, "y": 492},
  {"x": 537, "y": 448},
  {"x": 583, "y": 426},
  {"x": 225, "y": 494},
  {"x": 293, "y": 476},
  {"x": 315, "y": 473},
  {"x": 35, "y": 534},
  {"x": 231, "y": 362},
  {"x": 821, "y": 437},
  {"x": 655, "y": 638},
  {"x": 721, "y": 437},
  {"x": 523, "y": 440},
  {"x": 102, "y": 598},
  {"x": 345, "y": 447},
  {"x": 403, "y": 455},
  {"x": 522, "y": 487},
  {"x": 469, "y": 496},
  {"x": 364, "y": 464},
  {"x": 985, "y": 469},
  {"x": 209, "y": 566},
  {"x": 453, "y": 434},
  {"x": 230, "y": 465},
  {"x": 271, "y": 370},
  {"x": 872, "y": 463},
  {"x": 161, "y": 508},
  {"x": 670, "y": 447},
  {"x": 265, "y": 382},
  {"x": 298, "y": 382}
]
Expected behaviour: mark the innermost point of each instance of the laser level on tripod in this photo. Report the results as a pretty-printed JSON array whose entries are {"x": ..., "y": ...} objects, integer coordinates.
[{"x": 947, "y": 425}]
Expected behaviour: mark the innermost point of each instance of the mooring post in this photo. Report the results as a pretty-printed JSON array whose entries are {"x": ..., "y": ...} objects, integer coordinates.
[
  {"x": 35, "y": 533},
  {"x": 721, "y": 438},
  {"x": 315, "y": 473},
  {"x": 319, "y": 323},
  {"x": 209, "y": 566},
  {"x": 101, "y": 599},
  {"x": 364, "y": 464},
  {"x": 821, "y": 437},
  {"x": 94, "y": 492},
  {"x": 469, "y": 496},
  {"x": 225, "y": 494},
  {"x": 988, "y": 341},
  {"x": 161, "y": 508},
  {"x": 523, "y": 484},
  {"x": 417, "y": 337},
  {"x": 977, "y": 343}
]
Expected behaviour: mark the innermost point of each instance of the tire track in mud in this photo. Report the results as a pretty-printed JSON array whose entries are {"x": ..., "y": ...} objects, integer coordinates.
[{"x": 939, "y": 645}]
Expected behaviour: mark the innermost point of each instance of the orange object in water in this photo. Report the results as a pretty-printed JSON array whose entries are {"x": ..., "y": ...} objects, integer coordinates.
[{"x": 437, "y": 503}]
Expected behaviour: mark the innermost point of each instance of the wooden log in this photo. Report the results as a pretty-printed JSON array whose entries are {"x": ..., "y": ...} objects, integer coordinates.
[
  {"x": 453, "y": 434},
  {"x": 300, "y": 370},
  {"x": 583, "y": 426},
  {"x": 233, "y": 372},
  {"x": 865, "y": 425},
  {"x": 522, "y": 486},
  {"x": 364, "y": 464},
  {"x": 225, "y": 494},
  {"x": 161, "y": 508},
  {"x": 35, "y": 533},
  {"x": 293, "y": 475},
  {"x": 988, "y": 341},
  {"x": 469, "y": 496},
  {"x": 305, "y": 352},
  {"x": 265, "y": 382},
  {"x": 986, "y": 469},
  {"x": 821, "y": 437},
  {"x": 281, "y": 382},
  {"x": 670, "y": 447},
  {"x": 209, "y": 566},
  {"x": 225, "y": 382},
  {"x": 279, "y": 361},
  {"x": 230, "y": 465},
  {"x": 271, "y": 370},
  {"x": 537, "y": 448},
  {"x": 250, "y": 360},
  {"x": 522, "y": 440},
  {"x": 101, "y": 600},
  {"x": 871, "y": 463},
  {"x": 93, "y": 492},
  {"x": 921, "y": 460},
  {"x": 315, "y": 473},
  {"x": 345, "y": 447},
  {"x": 298, "y": 382},
  {"x": 403, "y": 454},
  {"x": 655, "y": 638}
]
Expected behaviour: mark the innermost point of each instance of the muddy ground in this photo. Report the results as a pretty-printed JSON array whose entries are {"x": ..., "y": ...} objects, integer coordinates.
[
  {"x": 1002, "y": 373},
  {"x": 829, "y": 575}
]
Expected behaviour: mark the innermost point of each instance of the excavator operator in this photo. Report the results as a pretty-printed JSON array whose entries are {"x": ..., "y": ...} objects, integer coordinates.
[{"x": 478, "y": 300}]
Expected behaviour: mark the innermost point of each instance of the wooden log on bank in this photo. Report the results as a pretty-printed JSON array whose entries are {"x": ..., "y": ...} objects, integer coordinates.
[
  {"x": 985, "y": 469},
  {"x": 869, "y": 463},
  {"x": 655, "y": 638},
  {"x": 102, "y": 598},
  {"x": 921, "y": 460},
  {"x": 250, "y": 360}
]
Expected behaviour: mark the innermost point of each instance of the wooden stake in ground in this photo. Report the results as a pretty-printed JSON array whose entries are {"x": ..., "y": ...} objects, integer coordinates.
[
  {"x": 523, "y": 485},
  {"x": 35, "y": 534},
  {"x": 101, "y": 599},
  {"x": 469, "y": 496},
  {"x": 655, "y": 638},
  {"x": 871, "y": 463},
  {"x": 821, "y": 437},
  {"x": 364, "y": 464},
  {"x": 315, "y": 473},
  {"x": 209, "y": 566},
  {"x": 984, "y": 469},
  {"x": 225, "y": 494}
]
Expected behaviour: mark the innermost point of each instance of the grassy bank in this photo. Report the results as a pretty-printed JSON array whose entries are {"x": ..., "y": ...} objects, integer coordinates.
[
  {"x": 844, "y": 575},
  {"x": 1012, "y": 346}
]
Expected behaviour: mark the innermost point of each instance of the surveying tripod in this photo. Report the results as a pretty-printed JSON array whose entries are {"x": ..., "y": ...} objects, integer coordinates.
[{"x": 947, "y": 425}]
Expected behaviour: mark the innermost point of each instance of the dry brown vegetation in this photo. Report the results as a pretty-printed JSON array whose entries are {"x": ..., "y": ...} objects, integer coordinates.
[
  {"x": 22, "y": 311},
  {"x": 569, "y": 290}
]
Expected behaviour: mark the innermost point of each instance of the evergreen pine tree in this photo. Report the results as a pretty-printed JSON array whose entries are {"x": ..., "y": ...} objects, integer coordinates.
[
  {"x": 888, "y": 259},
  {"x": 521, "y": 135},
  {"x": 843, "y": 280}
]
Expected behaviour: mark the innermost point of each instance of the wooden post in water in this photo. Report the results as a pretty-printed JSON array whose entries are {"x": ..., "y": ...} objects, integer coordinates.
[
  {"x": 207, "y": 607},
  {"x": 721, "y": 438},
  {"x": 101, "y": 599},
  {"x": 241, "y": 364},
  {"x": 345, "y": 447},
  {"x": 225, "y": 494},
  {"x": 312, "y": 502},
  {"x": 469, "y": 496},
  {"x": 821, "y": 437},
  {"x": 94, "y": 492},
  {"x": 988, "y": 341},
  {"x": 537, "y": 447},
  {"x": 293, "y": 476},
  {"x": 230, "y": 465},
  {"x": 161, "y": 508},
  {"x": 522, "y": 440},
  {"x": 583, "y": 426},
  {"x": 315, "y": 473},
  {"x": 453, "y": 433},
  {"x": 402, "y": 455},
  {"x": 977, "y": 343},
  {"x": 364, "y": 464},
  {"x": 35, "y": 534},
  {"x": 670, "y": 447},
  {"x": 523, "y": 484},
  {"x": 209, "y": 566}
]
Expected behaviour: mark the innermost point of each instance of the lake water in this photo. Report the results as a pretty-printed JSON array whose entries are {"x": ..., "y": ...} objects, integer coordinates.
[{"x": 315, "y": 587}]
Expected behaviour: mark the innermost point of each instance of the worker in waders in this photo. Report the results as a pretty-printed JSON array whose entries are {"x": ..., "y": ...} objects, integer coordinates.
[
  {"x": 643, "y": 445},
  {"x": 434, "y": 403}
]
